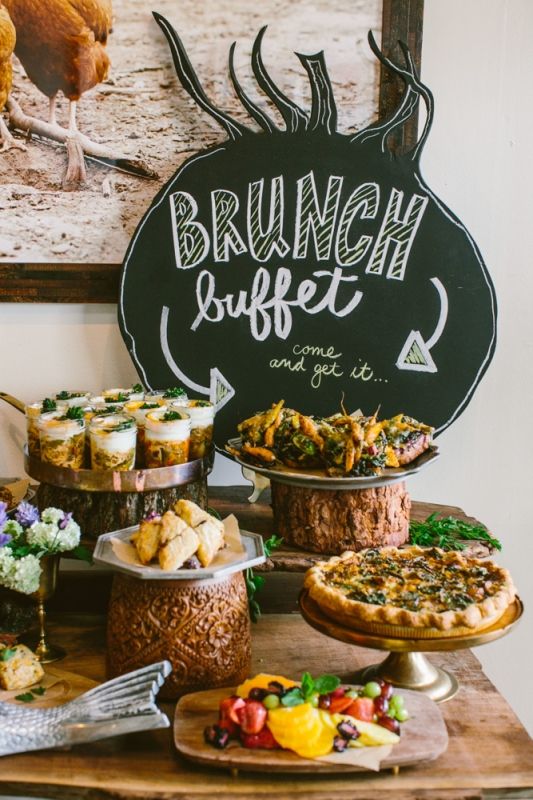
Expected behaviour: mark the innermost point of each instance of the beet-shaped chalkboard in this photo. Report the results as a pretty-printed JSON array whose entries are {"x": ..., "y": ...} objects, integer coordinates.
[{"x": 307, "y": 264}]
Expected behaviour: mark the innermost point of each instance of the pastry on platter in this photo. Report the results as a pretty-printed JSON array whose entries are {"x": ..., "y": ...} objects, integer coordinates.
[
  {"x": 19, "y": 667},
  {"x": 414, "y": 588},
  {"x": 180, "y": 533}
]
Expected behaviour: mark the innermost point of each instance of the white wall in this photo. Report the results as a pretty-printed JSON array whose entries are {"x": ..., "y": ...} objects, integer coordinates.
[{"x": 478, "y": 61}]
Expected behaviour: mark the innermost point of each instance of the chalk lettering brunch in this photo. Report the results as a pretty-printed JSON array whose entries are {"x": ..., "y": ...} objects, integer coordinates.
[{"x": 324, "y": 230}]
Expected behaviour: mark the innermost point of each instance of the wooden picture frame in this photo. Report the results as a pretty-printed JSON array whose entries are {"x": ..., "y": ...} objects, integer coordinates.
[{"x": 99, "y": 283}]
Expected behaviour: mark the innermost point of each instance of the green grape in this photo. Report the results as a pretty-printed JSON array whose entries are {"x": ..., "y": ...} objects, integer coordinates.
[
  {"x": 314, "y": 699},
  {"x": 351, "y": 693},
  {"x": 271, "y": 701},
  {"x": 402, "y": 714},
  {"x": 371, "y": 689},
  {"x": 396, "y": 701}
]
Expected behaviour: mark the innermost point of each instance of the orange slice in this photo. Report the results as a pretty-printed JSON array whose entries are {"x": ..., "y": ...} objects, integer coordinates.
[{"x": 261, "y": 681}]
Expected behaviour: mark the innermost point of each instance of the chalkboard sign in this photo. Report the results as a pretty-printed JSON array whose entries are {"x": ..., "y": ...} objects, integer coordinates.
[{"x": 307, "y": 265}]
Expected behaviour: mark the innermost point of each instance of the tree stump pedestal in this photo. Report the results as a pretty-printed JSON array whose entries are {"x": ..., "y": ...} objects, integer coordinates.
[
  {"x": 101, "y": 502},
  {"x": 332, "y": 521}
]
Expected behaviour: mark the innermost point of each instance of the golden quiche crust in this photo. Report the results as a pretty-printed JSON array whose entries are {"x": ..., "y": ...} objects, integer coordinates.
[{"x": 411, "y": 587}]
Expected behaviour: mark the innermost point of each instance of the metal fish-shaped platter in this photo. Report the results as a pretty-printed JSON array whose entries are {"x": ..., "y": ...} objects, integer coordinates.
[{"x": 122, "y": 705}]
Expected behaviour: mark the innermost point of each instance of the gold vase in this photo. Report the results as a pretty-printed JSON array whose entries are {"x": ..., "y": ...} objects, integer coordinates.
[{"x": 45, "y": 651}]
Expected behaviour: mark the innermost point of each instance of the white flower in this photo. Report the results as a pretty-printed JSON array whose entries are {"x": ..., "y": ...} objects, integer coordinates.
[
  {"x": 52, "y": 539},
  {"x": 6, "y": 561},
  {"x": 52, "y": 514},
  {"x": 22, "y": 574},
  {"x": 69, "y": 537},
  {"x": 43, "y": 535},
  {"x": 13, "y": 528}
]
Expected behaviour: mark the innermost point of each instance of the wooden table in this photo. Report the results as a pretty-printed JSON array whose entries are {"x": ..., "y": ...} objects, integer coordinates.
[{"x": 490, "y": 755}]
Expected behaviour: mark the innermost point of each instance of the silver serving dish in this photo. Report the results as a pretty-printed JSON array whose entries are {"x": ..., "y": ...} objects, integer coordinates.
[
  {"x": 319, "y": 479},
  {"x": 104, "y": 554},
  {"x": 133, "y": 480}
]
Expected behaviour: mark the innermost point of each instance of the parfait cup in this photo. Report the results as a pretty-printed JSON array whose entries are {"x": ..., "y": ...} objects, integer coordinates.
[
  {"x": 138, "y": 409},
  {"x": 166, "y": 438},
  {"x": 62, "y": 440},
  {"x": 46, "y": 652},
  {"x": 113, "y": 442},
  {"x": 202, "y": 414},
  {"x": 33, "y": 412}
]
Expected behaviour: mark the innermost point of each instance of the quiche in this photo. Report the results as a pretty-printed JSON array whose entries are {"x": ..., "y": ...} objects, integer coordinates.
[{"x": 424, "y": 590}]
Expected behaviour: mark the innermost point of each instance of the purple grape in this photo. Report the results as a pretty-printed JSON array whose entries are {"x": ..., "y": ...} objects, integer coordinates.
[
  {"x": 217, "y": 736},
  {"x": 391, "y": 724},
  {"x": 348, "y": 730},
  {"x": 324, "y": 701},
  {"x": 340, "y": 744},
  {"x": 381, "y": 705},
  {"x": 258, "y": 694},
  {"x": 387, "y": 690}
]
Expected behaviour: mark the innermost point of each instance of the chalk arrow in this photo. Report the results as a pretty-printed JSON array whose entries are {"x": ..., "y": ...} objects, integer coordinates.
[
  {"x": 415, "y": 354},
  {"x": 220, "y": 390}
]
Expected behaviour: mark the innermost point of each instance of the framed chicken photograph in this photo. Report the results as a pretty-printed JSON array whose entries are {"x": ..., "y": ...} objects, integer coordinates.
[{"x": 93, "y": 121}]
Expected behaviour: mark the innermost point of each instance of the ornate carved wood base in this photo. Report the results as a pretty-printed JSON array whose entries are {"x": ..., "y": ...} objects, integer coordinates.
[
  {"x": 201, "y": 627},
  {"x": 334, "y": 521},
  {"x": 101, "y": 512}
]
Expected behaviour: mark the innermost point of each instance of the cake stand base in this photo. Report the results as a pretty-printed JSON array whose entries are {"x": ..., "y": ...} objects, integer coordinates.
[{"x": 412, "y": 671}]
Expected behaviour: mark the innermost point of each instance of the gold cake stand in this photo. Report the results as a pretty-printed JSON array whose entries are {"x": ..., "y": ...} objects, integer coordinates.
[{"x": 406, "y": 665}]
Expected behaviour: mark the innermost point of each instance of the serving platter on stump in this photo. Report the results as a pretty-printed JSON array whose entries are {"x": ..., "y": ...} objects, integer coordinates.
[
  {"x": 109, "y": 500},
  {"x": 330, "y": 514},
  {"x": 424, "y": 738}
]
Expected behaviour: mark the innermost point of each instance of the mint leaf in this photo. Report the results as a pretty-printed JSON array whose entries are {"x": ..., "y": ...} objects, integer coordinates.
[
  {"x": 327, "y": 683},
  {"x": 27, "y": 697},
  {"x": 308, "y": 685},
  {"x": 292, "y": 698},
  {"x": 39, "y": 691}
]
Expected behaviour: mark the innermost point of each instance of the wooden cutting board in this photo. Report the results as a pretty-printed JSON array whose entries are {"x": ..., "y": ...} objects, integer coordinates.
[
  {"x": 424, "y": 738},
  {"x": 60, "y": 687}
]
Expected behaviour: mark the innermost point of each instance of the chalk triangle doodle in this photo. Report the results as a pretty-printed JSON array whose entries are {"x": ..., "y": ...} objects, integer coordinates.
[{"x": 415, "y": 355}]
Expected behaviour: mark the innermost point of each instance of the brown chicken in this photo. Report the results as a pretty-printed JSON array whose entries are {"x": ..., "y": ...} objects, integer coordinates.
[
  {"x": 7, "y": 45},
  {"x": 61, "y": 45}
]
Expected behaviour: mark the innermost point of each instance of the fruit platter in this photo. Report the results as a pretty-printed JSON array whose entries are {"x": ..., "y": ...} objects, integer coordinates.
[{"x": 273, "y": 723}]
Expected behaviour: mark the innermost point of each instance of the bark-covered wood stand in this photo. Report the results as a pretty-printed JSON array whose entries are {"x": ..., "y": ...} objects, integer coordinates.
[
  {"x": 106, "y": 501},
  {"x": 332, "y": 521}
]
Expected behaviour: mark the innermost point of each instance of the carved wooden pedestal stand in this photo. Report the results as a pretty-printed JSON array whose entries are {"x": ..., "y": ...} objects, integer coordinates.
[{"x": 202, "y": 627}]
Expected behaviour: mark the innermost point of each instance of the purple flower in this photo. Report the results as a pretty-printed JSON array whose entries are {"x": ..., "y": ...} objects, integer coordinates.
[
  {"x": 26, "y": 514},
  {"x": 3, "y": 514},
  {"x": 5, "y": 538},
  {"x": 65, "y": 521}
]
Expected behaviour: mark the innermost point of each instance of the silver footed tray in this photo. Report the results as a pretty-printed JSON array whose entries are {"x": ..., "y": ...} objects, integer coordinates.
[
  {"x": 319, "y": 479},
  {"x": 111, "y": 551}
]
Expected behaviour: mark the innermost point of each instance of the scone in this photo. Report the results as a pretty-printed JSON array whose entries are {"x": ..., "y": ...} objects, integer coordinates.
[
  {"x": 19, "y": 667},
  {"x": 147, "y": 539},
  {"x": 178, "y": 542},
  {"x": 211, "y": 536},
  {"x": 190, "y": 512}
]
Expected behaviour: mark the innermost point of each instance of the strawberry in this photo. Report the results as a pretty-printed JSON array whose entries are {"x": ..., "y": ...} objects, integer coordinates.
[
  {"x": 229, "y": 707},
  {"x": 339, "y": 705},
  {"x": 361, "y": 708},
  {"x": 263, "y": 740},
  {"x": 252, "y": 716},
  {"x": 228, "y": 724}
]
